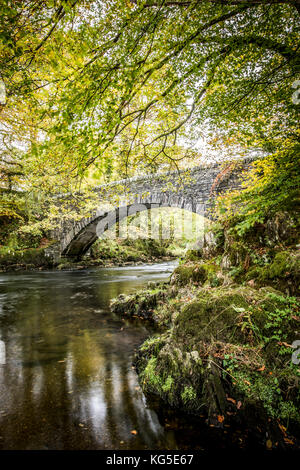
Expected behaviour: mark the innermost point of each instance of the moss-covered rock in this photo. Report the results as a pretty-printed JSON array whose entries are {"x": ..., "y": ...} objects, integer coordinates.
[
  {"x": 229, "y": 328},
  {"x": 195, "y": 273},
  {"x": 185, "y": 274},
  {"x": 283, "y": 272},
  {"x": 172, "y": 374},
  {"x": 194, "y": 255},
  {"x": 226, "y": 342},
  {"x": 141, "y": 304},
  {"x": 284, "y": 264}
]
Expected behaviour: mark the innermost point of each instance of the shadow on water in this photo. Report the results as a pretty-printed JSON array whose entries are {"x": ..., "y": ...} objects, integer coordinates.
[{"x": 68, "y": 381}]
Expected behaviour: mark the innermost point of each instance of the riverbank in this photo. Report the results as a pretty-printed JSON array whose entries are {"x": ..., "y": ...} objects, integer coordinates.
[
  {"x": 79, "y": 266},
  {"x": 227, "y": 322},
  {"x": 104, "y": 253}
]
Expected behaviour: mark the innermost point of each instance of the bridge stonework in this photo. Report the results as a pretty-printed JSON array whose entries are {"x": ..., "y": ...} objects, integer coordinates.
[{"x": 193, "y": 190}]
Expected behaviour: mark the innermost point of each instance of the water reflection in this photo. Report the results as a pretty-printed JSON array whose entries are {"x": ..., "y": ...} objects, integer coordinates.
[{"x": 68, "y": 381}]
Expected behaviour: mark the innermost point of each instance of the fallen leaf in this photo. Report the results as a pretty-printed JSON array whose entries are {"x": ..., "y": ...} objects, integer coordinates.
[
  {"x": 282, "y": 428},
  {"x": 261, "y": 369},
  {"x": 220, "y": 418},
  {"x": 220, "y": 356},
  {"x": 269, "y": 444},
  {"x": 232, "y": 400},
  {"x": 282, "y": 343},
  {"x": 81, "y": 425},
  {"x": 288, "y": 441}
]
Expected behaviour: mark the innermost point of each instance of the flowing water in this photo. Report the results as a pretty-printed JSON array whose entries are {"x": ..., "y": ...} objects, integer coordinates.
[{"x": 66, "y": 378}]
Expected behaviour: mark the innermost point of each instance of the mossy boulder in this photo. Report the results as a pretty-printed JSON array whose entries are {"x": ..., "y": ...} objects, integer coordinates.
[
  {"x": 172, "y": 374},
  {"x": 209, "y": 316},
  {"x": 281, "y": 229},
  {"x": 285, "y": 263},
  {"x": 232, "y": 342},
  {"x": 141, "y": 304},
  {"x": 194, "y": 255},
  {"x": 229, "y": 328},
  {"x": 194, "y": 273},
  {"x": 233, "y": 314},
  {"x": 283, "y": 272}
]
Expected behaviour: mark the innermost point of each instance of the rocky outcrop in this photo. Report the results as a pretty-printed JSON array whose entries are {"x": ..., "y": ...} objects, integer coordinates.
[{"x": 226, "y": 346}]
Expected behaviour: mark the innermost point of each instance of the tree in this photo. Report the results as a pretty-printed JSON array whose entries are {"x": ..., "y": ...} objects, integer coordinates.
[{"x": 129, "y": 86}]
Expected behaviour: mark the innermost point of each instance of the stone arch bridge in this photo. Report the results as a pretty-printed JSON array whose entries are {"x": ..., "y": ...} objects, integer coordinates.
[{"x": 193, "y": 190}]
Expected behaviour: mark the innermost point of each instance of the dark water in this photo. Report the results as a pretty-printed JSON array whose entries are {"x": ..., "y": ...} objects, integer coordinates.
[{"x": 68, "y": 381}]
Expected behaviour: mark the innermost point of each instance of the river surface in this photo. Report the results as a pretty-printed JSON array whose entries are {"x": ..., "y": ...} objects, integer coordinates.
[{"x": 68, "y": 381}]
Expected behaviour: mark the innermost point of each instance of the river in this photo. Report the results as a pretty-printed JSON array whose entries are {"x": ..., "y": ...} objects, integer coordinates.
[{"x": 67, "y": 380}]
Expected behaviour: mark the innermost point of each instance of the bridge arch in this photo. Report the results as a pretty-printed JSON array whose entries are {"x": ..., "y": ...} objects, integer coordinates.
[
  {"x": 193, "y": 190},
  {"x": 81, "y": 237}
]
